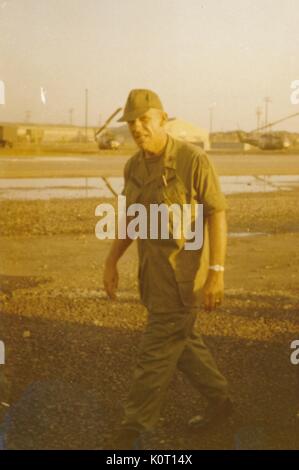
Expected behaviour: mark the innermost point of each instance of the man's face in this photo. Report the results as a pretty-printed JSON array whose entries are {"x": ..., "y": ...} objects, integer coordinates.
[{"x": 148, "y": 130}]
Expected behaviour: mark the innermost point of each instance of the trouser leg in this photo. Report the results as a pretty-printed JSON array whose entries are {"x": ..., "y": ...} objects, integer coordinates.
[
  {"x": 163, "y": 343},
  {"x": 198, "y": 364}
]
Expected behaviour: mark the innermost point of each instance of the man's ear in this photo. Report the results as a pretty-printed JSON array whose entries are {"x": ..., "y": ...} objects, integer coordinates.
[{"x": 164, "y": 118}]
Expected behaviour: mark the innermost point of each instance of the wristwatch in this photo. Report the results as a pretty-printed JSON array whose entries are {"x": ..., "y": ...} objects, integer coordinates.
[{"x": 216, "y": 267}]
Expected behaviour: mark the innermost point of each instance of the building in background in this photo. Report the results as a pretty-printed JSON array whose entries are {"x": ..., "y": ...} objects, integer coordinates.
[
  {"x": 183, "y": 130},
  {"x": 18, "y": 134},
  {"x": 25, "y": 133}
]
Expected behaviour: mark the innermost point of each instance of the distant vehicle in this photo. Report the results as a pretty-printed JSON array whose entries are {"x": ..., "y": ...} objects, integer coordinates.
[
  {"x": 106, "y": 139},
  {"x": 5, "y": 143},
  {"x": 267, "y": 140}
]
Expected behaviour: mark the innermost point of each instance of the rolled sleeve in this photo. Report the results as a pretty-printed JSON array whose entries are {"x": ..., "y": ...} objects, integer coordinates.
[
  {"x": 126, "y": 177},
  {"x": 207, "y": 186}
]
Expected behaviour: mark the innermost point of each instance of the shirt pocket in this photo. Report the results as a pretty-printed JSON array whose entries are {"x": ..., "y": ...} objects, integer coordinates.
[{"x": 172, "y": 191}]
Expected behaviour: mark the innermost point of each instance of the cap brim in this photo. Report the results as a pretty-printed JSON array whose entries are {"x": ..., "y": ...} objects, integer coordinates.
[{"x": 131, "y": 116}]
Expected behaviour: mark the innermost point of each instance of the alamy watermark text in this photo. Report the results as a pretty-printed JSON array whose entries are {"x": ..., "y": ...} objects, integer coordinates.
[{"x": 158, "y": 222}]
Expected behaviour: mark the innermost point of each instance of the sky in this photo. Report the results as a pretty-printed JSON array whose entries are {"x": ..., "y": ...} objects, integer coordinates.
[{"x": 217, "y": 58}]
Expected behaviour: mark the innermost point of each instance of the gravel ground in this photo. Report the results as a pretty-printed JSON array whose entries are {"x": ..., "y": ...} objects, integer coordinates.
[{"x": 70, "y": 352}]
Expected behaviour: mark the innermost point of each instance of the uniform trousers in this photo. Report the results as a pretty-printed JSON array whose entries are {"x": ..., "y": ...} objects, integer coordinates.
[{"x": 169, "y": 342}]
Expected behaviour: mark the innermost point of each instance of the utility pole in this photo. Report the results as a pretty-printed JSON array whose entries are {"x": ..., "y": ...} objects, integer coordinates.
[
  {"x": 211, "y": 107},
  {"x": 86, "y": 113},
  {"x": 2, "y": 92},
  {"x": 258, "y": 117},
  {"x": 71, "y": 112},
  {"x": 267, "y": 100},
  {"x": 27, "y": 116}
]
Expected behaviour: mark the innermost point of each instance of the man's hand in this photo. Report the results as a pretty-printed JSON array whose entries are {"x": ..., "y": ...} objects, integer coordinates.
[
  {"x": 110, "y": 279},
  {"x": 117, "y": 249},
  {"x": 213, "y": 290}
]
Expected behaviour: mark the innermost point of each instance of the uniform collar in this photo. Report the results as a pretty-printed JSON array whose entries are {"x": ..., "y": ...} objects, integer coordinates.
[{"x": 169, "y": 154}]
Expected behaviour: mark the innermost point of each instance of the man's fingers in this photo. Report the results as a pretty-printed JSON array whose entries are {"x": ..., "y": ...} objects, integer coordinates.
[
  {"x": 110, "y": 289},
  {"x": 208, "y": 301},
  {"x": 113, "y": 287},
  {"x": 110, "y": 279},
  {"x": 219, "y": 298},
  {"x": 111, "y": 293},
  {"x": 212, "y": 301},
  {"x": 115, "y": 282}
]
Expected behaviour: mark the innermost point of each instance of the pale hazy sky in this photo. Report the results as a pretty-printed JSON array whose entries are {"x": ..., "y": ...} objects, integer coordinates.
[{"x": 193, "y": 53}]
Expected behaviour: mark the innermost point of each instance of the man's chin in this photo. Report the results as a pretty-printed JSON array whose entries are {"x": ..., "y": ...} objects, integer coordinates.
[{"x": 143, "y": 146}]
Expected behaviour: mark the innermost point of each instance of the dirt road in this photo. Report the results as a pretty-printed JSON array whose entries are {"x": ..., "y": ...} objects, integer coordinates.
[
  {"x": 37, "y": 166},
  {"x": 79, "y": 349}
]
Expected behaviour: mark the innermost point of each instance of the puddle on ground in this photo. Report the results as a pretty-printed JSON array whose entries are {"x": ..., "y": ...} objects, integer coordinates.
[
  {"x": 246, "y": 234},
  {"x": 96, "y": 187}
]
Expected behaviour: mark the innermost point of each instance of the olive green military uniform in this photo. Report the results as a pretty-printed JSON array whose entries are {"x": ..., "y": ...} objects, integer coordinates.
[{"x": 170, "y": 281}]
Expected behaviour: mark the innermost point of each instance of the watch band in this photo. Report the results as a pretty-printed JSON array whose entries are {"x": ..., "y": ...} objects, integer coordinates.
[{"x": 217, "y": 268}]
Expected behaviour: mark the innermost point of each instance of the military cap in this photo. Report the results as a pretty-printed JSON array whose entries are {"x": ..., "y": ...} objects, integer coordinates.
[{"x": 139, "y": 102}]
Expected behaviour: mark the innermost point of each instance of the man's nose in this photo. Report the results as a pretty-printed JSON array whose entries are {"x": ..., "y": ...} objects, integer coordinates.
[{"x": 136, "y": 124}]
